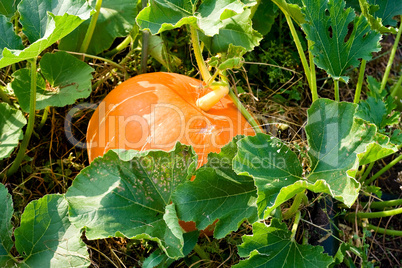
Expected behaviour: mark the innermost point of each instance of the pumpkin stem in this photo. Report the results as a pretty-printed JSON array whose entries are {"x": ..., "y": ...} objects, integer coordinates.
[
  {"x": 206, "y": 76},
  {"x": 207, "y": 101}
]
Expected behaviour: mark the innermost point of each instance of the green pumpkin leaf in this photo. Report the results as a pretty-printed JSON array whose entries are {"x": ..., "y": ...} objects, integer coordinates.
[
  {"x": 8, "y": 7},
  {"x": 6, "y": 228},
  {"x": 381, "y": 13},
  {"x": 9, "y": 38},
  {"x": 131, "y": 196},
  {"x": 35, "y": 18},
  {"x": 159, "y": 259},
  {"x": 334, "y": 50},
  {"x": 46, "y": 238},
  {"x": 336, "y": 137},
  {"x": 237, "y": 31},
  {"x": 162, "y": 15},
  {"x": 264, "y": 17},
  {"x": 293, "y": 8},
  {"x": 11, "y": 123},
  {"x": 380, "y": 148},
  {"x": 272, "y": 165},
  {"x": 272, "y": 246},
  {"x": 116, "y": 19},
  {"x": 336, "y": 141},
  {"x": 379, "y": 107},
  {"x": 44, "y": 29},
  {"x": 232, "y": 59},
  {"x": 68, "y": 80},
  {"x": 218, "y": 193}
]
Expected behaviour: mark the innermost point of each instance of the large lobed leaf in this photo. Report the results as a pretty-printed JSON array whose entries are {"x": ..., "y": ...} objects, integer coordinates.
[
  {"x": 220, "y": 22},
  {"x": 337, "y": 140},
  {"x": 129, "y": 194},
  {"x": 42, "y": 27},
  {"x": 272, "y": 246},
  {"x": 11, "y": 123},
  {"x": 335, "y": 49},
  {"x": 6, "y": 228},
  {"x": 162, "y": 15},
  {"x": 237, "y": 31},
  {"x": 381, "y": 13},
  {"x": 46, "y": 238},
  {"x": 218, "y": 193},
  {"x": 272, "y": 165},
  {"x": 67, "y": 79},
  {"x": 8, "y": 7},
  {"x": 116, "y": 19}
]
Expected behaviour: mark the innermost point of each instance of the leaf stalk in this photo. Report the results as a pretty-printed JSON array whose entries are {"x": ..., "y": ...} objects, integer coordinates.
[
  {"x": 391, "y": 57},
  {"x": 295, "y": 226},
  {"x": 383, "y": 170},
  {"x": 378, "y": 214},
  {"x": 91, "y": 28},
  {"x": 360, "y": 82},
  {"x": 299, "y": 47},
  {"x": 31, "y": 121}
]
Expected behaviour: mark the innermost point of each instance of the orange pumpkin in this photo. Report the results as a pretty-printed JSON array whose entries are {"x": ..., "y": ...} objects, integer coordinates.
[{"x": 155, "y": 110}]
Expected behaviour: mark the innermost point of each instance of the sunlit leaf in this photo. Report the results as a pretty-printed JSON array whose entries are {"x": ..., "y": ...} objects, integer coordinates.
[
  {"x": 218, "y": 193},
  {"x": 6, "y": 228},
  {"x": 11, "y": 123},
  {"x": 116, "y": 19},
  {"x": 129, "y": 194},
  {"x": 46, "y": 238},
  {"x": 272, "y": 246},
  {"x": 68, "y": 79},
  {"x": 335, "y": 49}
]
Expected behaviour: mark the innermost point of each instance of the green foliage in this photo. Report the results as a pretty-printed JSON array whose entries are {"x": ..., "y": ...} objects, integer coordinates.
[
  {"x": 264, "y": 17},
  {"x": 220, "y": 22},
  {"x": 335, "y": 49},
  {"x": 218, "y": 193},
  {"x": 34, "y": 13},
  {"x": 236, "y": 30},
  {"x": 6, "y": 228},
  {"x": 41, "y": 26},
  {"x": 116, "y": 19},
  {"x": 129, "y": 194},
  {"x": 9, "y": 7},
  {"x": 45, "y": 237},
  {"x": 379, "y": 107},
  {"x": 272, "y": 246},
  {"x": 63, "y": 80},
  {"x": 11, "y": 123}
]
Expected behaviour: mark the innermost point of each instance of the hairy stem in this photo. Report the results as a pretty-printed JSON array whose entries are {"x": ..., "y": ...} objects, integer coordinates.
[
  {"x": 391, "y": 58},
  {"x": 383, "y": 170},
  {"x": 336, "y": 89},
  {"x": 295, "y": 225},
  {"x": 31, "y": 121},
  {"x": 206, "y": 76},
  {"x": 367, "y": 172},
  {"x": 384, "y": 231},
  {"x": 312, "y": 73},
  {"x": 360, "y": 82},
  {"x": 295, "y": 206},
  {"x": 378, "y": 214},
  {"x": 120, "y": 46},
  {"x": 299, "y": 47},
  {"x": 383, "y": 204},
  {"x": 91, "y": 28},
  {"x": 44, "y": 117}
]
